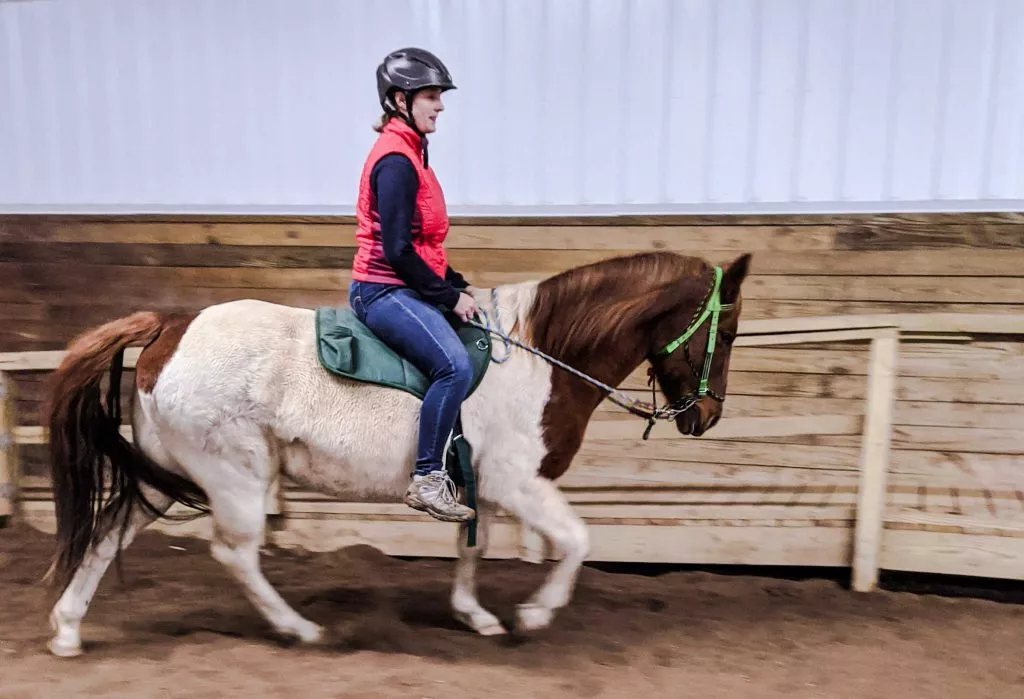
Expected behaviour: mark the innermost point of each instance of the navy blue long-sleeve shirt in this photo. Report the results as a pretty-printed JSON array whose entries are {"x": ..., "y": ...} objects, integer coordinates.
[{"x": 394, "y": 184}]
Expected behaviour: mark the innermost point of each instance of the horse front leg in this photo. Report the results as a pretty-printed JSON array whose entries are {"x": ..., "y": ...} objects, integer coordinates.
[
  {"x": 465, "y": 604},
  {"x": 541, "y": 506}
]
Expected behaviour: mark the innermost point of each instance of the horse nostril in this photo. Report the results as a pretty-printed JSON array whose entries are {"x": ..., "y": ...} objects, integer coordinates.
[{"x": 691, "y": 421}]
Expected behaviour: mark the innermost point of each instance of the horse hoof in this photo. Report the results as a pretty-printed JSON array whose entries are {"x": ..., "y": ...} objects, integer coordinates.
[
  {"x": 492, "y": 630},
  {"x": 485, "y": 624},
  {"x": 532, "y": 617},
  {"x": 63, "y": 649},
  {"x": 309, "y": 634}
]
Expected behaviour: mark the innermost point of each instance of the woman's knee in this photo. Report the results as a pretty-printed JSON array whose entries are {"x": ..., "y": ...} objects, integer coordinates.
[{"x": 460, "y": 367}]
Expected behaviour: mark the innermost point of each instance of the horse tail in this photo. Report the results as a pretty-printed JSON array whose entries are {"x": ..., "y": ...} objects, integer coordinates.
[{"x": 88, "y": 453}]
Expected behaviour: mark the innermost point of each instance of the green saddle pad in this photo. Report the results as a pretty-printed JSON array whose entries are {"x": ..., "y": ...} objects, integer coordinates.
[{"x": 348, "y": 348}]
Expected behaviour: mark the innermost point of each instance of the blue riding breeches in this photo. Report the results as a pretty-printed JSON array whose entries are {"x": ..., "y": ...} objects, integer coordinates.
[{"x": 419, "y": 332}]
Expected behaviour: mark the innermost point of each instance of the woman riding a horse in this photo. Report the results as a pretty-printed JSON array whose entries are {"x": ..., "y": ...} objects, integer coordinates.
[{"x": 400, "y": 275}]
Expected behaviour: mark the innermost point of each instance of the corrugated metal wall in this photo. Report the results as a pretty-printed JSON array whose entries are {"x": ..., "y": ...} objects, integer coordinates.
[{"x": 568, "y": 106}]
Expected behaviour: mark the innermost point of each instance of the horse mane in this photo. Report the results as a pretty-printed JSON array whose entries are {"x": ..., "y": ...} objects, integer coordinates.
[{"x": 594, "y": 304}]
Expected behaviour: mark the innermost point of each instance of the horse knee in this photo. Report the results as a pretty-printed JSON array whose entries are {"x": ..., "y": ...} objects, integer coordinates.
[
  {"x": 582, "y": 544},
  {"x": 575, "y": 541}
]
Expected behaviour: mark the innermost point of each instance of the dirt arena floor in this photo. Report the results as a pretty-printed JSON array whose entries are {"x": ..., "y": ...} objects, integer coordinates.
[{"x": 178, "y": 627}]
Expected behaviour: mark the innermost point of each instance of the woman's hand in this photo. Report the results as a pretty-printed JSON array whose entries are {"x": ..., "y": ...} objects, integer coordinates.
[{"x": 466, "y": 307}]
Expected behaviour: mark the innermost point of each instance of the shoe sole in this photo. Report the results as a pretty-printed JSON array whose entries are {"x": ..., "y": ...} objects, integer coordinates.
[{"x": 436, "y": 514}]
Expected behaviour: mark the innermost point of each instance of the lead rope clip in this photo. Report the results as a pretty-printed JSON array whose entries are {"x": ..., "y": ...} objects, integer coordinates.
[
  {"x": 650, "y": 426},
  {"x": 654, "y": 403}
]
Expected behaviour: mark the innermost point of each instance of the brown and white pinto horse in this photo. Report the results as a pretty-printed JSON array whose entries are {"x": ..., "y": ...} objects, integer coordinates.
[{"x": 228, "y": 398}]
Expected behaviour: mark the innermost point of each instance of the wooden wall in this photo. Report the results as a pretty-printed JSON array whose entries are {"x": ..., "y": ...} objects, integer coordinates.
[
  {"x": 958, "y": 444},
  {"x": 61, "y": 274}
]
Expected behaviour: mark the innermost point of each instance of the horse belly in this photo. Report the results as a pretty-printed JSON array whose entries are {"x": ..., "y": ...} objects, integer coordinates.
[{"x": 359, "y": 440}]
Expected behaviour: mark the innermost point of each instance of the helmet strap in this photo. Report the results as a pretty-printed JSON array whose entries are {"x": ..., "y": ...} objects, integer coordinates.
[{"x": 408, "y": 118}]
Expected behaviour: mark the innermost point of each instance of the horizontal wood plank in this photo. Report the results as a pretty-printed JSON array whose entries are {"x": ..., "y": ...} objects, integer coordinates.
[
  {"x": 931, "y": 289},
  {"x": 968, "y": 440},
  {"x": 935, "y": 236},
  {"x": 976, "y": 323},
  {"x": 734, "y": 428},
  {"x": 685, "y": 239},
  {"x": 952, "y": 553},
  {"x": 147, "y": 255},
  {"x": 841, "y": 232},
  {"x": 814, "y": 386},
  {"x": 971, "y": 263},
  {"x": 915, "y": 220},
  {"x": 471, "y": 261}
]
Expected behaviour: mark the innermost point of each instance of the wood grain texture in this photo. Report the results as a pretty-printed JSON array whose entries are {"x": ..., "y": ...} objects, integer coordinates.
[
  {"x": 500, "y": 237},
  {"x": 957, "y": 407},
  {"x": 922, "y": 219},
  {"x": 803, "y": 266},
  {"x": 175, "y": 255},
  {"x": 900, "y": 236}
]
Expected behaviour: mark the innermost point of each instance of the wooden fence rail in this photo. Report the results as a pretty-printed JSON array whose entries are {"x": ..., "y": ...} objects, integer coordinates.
[{"x": 658, "y": 505}]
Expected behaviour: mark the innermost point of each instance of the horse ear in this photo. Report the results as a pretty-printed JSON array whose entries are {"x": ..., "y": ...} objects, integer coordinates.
[{"x": 733, "y": 278}]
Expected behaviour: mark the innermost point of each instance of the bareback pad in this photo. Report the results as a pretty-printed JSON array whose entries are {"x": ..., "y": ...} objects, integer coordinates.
[{"x": 347, "y": 347}]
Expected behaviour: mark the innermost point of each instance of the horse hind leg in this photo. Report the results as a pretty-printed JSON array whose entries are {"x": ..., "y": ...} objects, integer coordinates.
[
  {"x": 67, "y": 614},
  {"x": 239, "y": 523},
  {"x": 235, "y": 479},
  {"x": 69, "y": 610}
]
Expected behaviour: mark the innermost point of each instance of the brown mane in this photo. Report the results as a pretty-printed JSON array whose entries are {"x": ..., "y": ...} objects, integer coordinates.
[{"x": 593, "y": 305}]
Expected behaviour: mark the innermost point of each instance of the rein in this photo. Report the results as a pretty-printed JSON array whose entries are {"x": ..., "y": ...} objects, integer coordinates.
[{"x": 711, "y": 307}]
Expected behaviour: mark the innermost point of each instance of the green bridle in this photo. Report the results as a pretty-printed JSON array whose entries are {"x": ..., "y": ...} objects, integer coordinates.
[{"x": 711, "y": 308}]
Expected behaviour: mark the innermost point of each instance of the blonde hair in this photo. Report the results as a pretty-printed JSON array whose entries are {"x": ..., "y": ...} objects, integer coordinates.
[{"x": 379, "y": 125}]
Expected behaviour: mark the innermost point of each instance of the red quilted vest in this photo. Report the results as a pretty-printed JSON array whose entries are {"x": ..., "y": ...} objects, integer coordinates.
[{"x": 429, "y": 222}]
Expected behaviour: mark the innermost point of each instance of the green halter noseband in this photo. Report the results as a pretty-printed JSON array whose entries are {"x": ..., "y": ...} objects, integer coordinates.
[{"x": 712, "y": 308}]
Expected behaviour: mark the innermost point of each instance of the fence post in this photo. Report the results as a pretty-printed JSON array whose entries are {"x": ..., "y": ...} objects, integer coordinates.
[
  {"x": 874, "y": 459},
  {"x": 8, "y": 450}
]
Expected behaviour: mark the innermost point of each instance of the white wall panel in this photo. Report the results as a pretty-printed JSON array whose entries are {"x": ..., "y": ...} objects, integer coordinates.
[{"x": 564, "y": 105}]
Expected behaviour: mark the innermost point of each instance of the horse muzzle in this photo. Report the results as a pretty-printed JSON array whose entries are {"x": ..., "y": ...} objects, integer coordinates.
[
  {"x": 691, "y": 422},
  {"x": 695, "y": 421}
]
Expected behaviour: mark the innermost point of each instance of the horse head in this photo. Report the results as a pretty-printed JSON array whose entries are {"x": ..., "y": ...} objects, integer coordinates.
[
  {"x": 690, "y": 349},
  {"x": 605, "y": 318}
]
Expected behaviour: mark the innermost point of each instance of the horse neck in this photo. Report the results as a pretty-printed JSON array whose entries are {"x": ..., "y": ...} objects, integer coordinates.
[{"x": 598, "y": 321}]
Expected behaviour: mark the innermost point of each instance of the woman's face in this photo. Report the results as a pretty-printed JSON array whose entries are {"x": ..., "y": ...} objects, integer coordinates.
[{"x": 426, "y": 105}]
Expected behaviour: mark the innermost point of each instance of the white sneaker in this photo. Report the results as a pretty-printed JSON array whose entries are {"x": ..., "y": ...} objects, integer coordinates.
[{"x": 434, "y": 494}]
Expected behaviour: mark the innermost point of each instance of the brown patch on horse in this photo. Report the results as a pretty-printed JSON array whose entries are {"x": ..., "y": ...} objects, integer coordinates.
[
  {"x": 156, "y": 355},
  {"x": 606, "y": 300},
  {"x": 564, "y": 422}
]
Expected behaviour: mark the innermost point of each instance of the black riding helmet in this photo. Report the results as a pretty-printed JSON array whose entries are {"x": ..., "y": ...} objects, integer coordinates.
[{"x": 409, "y": 69}]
